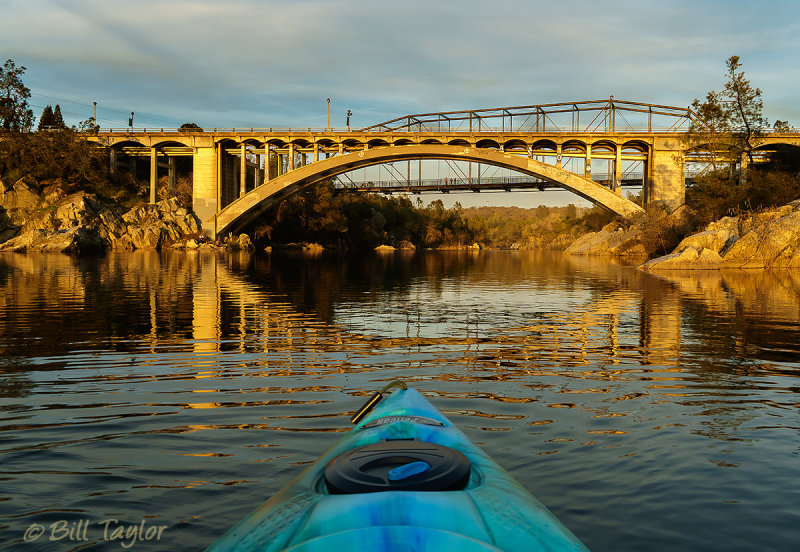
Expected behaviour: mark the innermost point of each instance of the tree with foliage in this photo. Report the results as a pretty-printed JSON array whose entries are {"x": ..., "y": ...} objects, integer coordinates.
[
  {"x": 744, "y": 108},
  {"x": 732, "y": 128},
  {"x": 731, "y": 121},
  {"x": 46, "y": 118},
  {"x": 781, "y": 126},
  {"x": 14, "y": 111},
  {"x": 58, "y": 120},
  {"x": 51, "y": 118},
  {"x": 53, "y": 155},
  {"x": 89, "y": 125},
  {"x": 190, "y": 127}
]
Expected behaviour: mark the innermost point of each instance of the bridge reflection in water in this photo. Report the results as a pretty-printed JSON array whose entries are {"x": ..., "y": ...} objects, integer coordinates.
[
  {"x": 278, "y": 306},
  {"x": 202, "y": 383},
  {"x": 241, "y": 303}
]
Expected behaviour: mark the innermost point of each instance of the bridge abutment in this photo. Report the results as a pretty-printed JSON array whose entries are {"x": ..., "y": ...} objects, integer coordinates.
[
  {"x": 666, "y": 181},
  {"x": 205, "y": 200}
]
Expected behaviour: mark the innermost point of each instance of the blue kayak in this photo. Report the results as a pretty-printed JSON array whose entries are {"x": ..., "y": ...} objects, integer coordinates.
[{"x": 404, "y": 479}]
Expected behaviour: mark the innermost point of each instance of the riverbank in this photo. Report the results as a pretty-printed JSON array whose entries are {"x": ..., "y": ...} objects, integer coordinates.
[
  {"x": 765, "y": 239},
  {"x": 768, "y": 238},
  {"x": 47, "y": 218}
]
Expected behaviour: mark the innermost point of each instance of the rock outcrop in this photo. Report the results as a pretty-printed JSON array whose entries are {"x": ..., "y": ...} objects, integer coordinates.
[
  {"x": 770, "y": 239},
  {"x": 242, "y": 242},
  {"x": 613, "y": 239},
  {"x": 50, "y": 220}
]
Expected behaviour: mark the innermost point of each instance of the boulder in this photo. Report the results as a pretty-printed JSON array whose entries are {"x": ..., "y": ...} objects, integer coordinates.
[
  {"x": 689, "y": 258},
  {"x": 771, "y": 241},
  {"x": 148, "y": 237},
  {"x": 67, "y": 240},
  {"x": 7, "y": 228},
  {"x": 244, "y": 243},
  {"x": 20, "y": 201},
  {"x": 612, "y": 239}
]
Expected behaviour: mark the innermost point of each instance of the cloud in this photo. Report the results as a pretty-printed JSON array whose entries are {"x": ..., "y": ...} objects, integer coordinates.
[{"x": 273, "y": 63}]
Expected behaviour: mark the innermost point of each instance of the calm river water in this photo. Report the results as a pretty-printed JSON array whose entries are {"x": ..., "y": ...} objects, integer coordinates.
[{"x": 183, "y": 389}]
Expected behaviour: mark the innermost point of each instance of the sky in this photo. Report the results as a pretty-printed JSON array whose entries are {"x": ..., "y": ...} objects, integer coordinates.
[{"x": 268, "y": 63}]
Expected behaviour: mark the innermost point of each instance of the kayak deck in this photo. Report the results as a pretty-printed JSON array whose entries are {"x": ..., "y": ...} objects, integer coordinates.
[{"x": 492, "y": 512}]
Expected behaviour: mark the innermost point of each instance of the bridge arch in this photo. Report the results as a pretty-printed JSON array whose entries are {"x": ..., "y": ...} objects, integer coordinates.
[
  {"x": 545, "y": 145},
  {"x": 487, "y": 143},
  {"x": 634, "y": 146},
  {"x": 377, "y": 143},
  {"x": 459, "y": 142},
  {"x": 515, "y": 144},
  {"x": 250, "y": 206}
]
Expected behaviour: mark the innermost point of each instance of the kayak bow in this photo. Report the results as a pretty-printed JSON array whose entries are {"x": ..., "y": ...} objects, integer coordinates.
[{"x": 405, "y": 478}]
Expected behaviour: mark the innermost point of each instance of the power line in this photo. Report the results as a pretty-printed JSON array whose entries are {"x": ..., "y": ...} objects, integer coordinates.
[
  {"x": 78, "y": 116},
  {"x": 139, "y": 114}
]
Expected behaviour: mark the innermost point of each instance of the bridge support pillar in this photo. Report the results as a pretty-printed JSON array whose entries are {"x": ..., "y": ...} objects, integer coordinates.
[
  {"x": 242, "y": 171},
  {"x": 112, "y": 162},
  {"x": 743, "y": 165},
  {"x": 153, "y": 176},
  {"x": 267, "y": 167},
  {"x": 587, "y": 168},
  {"x": 617, "y": 185},
  {"x": 667, "y": 183},
  {"x": 290, "y": 160},
  {"x": 267, "y": 175},
  {"x": 558, "y": 155},
  {"x": 316, "y": 152},
  {"x": 205, "y": 200},
  {"x": 172, "y": 176}
]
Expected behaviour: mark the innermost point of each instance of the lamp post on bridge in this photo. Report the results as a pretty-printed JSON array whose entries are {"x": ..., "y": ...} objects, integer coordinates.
[
  {"x": 349, "y": 113},
  {"x": 329, "y": 114}
]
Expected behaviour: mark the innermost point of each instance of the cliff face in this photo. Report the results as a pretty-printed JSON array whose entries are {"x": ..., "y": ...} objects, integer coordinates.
[
  {"x": 48, "y": 219},
  {"x": 770, "y": 239}
]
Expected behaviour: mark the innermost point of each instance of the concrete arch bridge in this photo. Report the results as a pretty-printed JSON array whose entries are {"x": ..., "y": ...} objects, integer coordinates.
[{"x": 240, "y": 173}]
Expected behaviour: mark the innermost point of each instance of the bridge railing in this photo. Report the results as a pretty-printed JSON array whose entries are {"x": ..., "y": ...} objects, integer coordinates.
[
  {"x": 494, "y": 182},
  {"x": 334, "y": 132}
]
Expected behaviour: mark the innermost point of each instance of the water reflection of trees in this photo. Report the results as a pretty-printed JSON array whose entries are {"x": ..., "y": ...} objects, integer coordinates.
[{"x": 316, "y": 284}]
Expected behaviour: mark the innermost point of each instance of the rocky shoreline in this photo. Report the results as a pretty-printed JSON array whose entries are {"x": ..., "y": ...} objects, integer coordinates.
[
  {"x": 766, "y": 239},
  {"x": 49, "y": 219}
]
